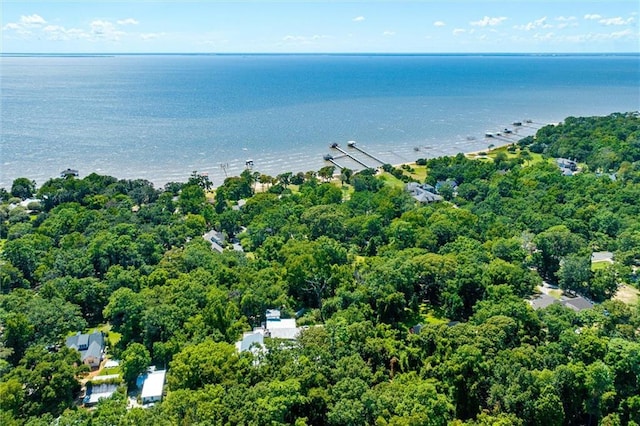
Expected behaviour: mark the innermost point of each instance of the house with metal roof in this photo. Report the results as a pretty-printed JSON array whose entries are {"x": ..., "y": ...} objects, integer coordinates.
[
  {"x": 101, "y": 387},
  {"x": 153, "y": 386}
]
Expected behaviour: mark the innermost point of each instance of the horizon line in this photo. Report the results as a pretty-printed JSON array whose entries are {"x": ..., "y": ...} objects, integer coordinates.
[{"x": 322, "y": 53}]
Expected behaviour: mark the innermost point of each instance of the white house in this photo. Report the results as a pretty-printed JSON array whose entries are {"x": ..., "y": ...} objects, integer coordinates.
[
  {"x": 153, "y": 386},
  {"x": 280, "y": 328}
]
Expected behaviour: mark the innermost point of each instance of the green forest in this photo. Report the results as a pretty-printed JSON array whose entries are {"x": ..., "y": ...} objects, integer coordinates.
[{"x": 411, "y": 313}]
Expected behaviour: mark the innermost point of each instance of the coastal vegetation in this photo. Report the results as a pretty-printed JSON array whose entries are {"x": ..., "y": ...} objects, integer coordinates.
[{"x": 414, "y": 314}]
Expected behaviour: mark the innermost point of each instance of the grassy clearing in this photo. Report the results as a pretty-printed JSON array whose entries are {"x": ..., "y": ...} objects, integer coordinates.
[
  {"x": 556, "y": 294},
  {"x": 490, "y": 155},
  {"x": 419, "y": 173},
  {"x": 432, "y": 315},
  {"x": 627, "y": 294},
  {"x": 391, "y": 180},
  {"x": 595, "y": 266},
  {"x": 113, "y": 336},
  {"x": 109, "y": 371}
]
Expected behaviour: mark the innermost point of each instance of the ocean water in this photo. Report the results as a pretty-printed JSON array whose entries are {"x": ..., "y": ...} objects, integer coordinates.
[{"x": 161, "y": 117}]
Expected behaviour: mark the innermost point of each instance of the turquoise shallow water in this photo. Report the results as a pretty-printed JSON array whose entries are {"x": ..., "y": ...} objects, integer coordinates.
[{"x": 162, "y": 117}]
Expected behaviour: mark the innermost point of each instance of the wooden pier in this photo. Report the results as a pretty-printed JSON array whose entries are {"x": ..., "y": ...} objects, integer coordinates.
[
  {"x": 346, "y": 154},
  {"x": 352, "y": 144},
  {"x": 330, "y": 158}
]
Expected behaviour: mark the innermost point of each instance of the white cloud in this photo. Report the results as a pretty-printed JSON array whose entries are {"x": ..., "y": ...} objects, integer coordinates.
[
  {"x": 459, "y": 31},
  {"x": 624, "y": 34},
  {"x": 101, "y": 27},
  {"x": 389, "y": 33},
  {"x": 566, "y": 24},
  {"x": 151, "y": 36},
  {"x": 439, "y": 24},
  {"x": 58, "y": 32},
  {"x": 299, "y": 39},
  {"x": 25, "y": 25},
  {"x": 53, "y": 28},
  {"x": 12, "y": 26},
  {"x": 538, "y": 23},
  {"x": 128, "y": 21},
  {"x": 31, "y": 26},
  {"x": 544, "y": 37},
  {"x": 105, "y": 30},
  {"x": 32, "y": 20},
  {"x": 618, "y": 20},
  {"x": 592, "y": 16},
  {"x": 596, "y": 37},
  {"x": 358, "y": 19},
  {"x": 487, "y": 21},
  {"x": 566, "y": 18}
]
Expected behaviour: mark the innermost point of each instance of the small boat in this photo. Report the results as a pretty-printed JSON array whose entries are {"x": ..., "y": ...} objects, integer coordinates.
[
  {"x": 351, "y": 144},
  {"x": 508, "y": 131},
  {"x": 517, "y": 123},
  {"x": 488, "y": 135}
]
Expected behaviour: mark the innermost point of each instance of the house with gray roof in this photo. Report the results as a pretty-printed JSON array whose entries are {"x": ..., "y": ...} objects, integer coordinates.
[
  {"x": 421, "y": 194},
  {"x": 90, "y": 346}
]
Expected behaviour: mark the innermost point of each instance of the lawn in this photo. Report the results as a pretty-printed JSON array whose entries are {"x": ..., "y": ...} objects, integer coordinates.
[
  {"x": 556, "y": 294},
  {"x": 627, "y": 294},
  {"x": 391, "y": 180},
  {"x": 419, "y": 172},
  {"x": 490, "y": 154},
  {"x": 595, "y": 266},
  {"x": 109, "y": 371},
  {"x": 113, "y": 337},
  {"x": 428, "y": 315}
]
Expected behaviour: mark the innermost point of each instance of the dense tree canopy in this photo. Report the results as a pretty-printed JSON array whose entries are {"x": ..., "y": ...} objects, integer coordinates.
[{"x": 413, "y": 313}]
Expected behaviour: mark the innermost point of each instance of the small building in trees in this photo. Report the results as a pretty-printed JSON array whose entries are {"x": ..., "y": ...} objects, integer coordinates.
[
  {"x": 101, "y": 387},
  {"x": 451, "y": 183},
  {"x": 567, "y": 167},
  {"x": 153, "y": 386},
  {"x": 251, "y": 341},
  {"x": 90, "y": 346},
  {"x": 577, "y": 303},
  {"x": 280, "y": 328}
]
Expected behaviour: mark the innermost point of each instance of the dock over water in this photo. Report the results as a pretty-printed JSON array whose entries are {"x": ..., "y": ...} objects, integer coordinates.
[
  {"x": 346, "y": 154},
  {"x": 352, "y": 144}
]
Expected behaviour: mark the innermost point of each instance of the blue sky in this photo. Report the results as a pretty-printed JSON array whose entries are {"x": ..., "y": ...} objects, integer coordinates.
[{"x": 429, "y": 26}]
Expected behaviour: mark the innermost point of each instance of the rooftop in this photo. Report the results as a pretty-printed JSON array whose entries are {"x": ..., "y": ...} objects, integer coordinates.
[{"x": 154, "y": 384}]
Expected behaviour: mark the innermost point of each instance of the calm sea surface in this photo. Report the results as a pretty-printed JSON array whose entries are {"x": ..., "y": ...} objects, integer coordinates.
[{"x": 162, "y": 117}]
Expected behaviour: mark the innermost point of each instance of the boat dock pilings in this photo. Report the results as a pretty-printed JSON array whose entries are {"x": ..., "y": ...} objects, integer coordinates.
[
  {"x": 352, "y": 144},
  {"x": 330, "y": 158},
  {"x": 337, "y": 147}
]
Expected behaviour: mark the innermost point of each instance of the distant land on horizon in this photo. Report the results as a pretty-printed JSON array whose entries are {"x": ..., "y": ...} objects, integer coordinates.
[{"x": 102, "y": 54}]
